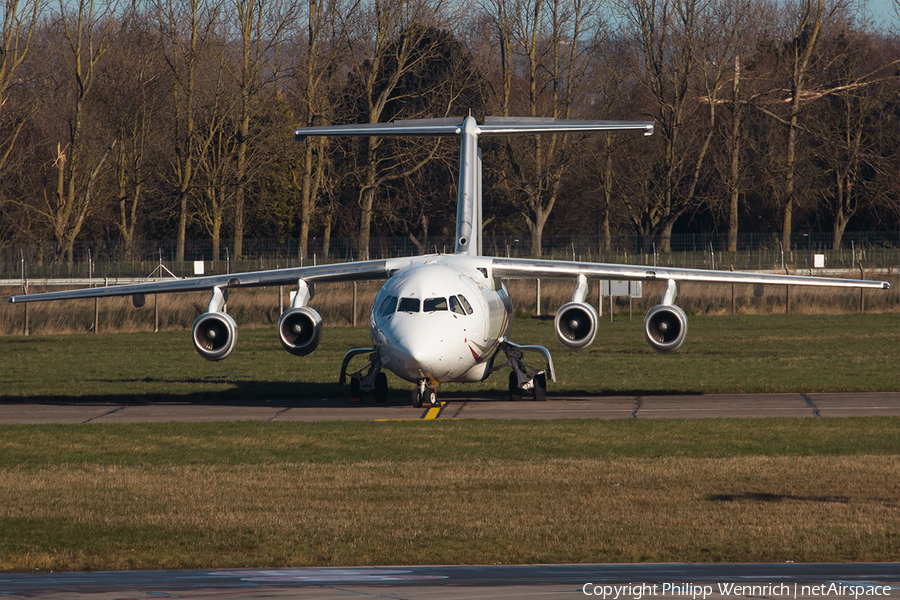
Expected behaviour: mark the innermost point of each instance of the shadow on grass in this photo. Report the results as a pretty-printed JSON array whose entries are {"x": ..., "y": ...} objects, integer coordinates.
[
  {"x": 771, "y": 498},
  {"x": 762, "y": 497}
]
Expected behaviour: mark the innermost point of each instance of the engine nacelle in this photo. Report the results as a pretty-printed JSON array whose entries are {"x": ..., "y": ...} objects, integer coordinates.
[
  {"x": 665, "y": 327},
  {"x": 576, "y": 325},
  {"x": 214, "y": 335},
  {"x": 299, "y": 330}
]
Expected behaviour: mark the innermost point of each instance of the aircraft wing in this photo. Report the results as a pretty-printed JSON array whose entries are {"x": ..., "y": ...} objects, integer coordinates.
[
  {"x": 513, "y": 268},
  {"x": 352, "y": 271}
]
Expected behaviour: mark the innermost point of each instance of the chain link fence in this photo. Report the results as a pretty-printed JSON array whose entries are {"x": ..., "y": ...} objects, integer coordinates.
[{"x": 702, "y": 251}]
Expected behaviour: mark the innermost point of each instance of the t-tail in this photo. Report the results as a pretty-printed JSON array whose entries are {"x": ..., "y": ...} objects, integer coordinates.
[{"x": 469, "y": 198}]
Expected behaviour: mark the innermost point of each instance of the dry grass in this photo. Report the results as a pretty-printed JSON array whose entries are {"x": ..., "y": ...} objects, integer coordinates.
[
  {"x": 261, "y": 307},
  {"x": 427, "y": 511}
]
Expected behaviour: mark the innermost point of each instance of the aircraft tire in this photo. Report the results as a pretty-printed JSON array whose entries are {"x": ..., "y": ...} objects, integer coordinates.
[
  {"x": 416, "y": 399},
  {"x": 540, "y": 387},
  {"x": 430, "y": 397},
  {"x": 515, "y": 392},
  {"x": 381, "y": 388}
]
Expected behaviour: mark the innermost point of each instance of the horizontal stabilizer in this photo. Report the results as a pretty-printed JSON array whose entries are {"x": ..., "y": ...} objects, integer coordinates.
[
  {"x": 530, "y": 126},
  {"x": 453, "y": 126},
  {"x": 420, "y": 128}
]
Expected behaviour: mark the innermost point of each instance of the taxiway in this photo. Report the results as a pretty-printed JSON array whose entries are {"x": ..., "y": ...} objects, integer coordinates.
[{"x": 598, "y": 407}]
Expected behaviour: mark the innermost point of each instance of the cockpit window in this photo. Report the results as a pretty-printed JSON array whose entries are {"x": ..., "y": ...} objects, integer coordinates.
[
  {"x": 408, "y": 305},
  {"x": 456, "y": 306},
  {"x": 433, "y": 304},
  {"x": 388, "y": 306},
  {"x": 465, "y": 304}
]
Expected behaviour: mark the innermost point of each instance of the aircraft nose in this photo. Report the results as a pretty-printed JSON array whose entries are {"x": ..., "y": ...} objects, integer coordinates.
[{"x": 423, "y": 354}]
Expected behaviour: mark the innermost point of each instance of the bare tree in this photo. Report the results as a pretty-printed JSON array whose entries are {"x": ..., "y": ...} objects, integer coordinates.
[
  {"x": 88, "y": 31},
  {"x": 19, "y": 22},
  {"x": 130, "y": 91},
  {"x": 396, "y": 39},
  {"x": 551, "y": 37},
  {"x": 808, "y": 18},
  {"x": 848, "y": 123},
  {"x": 327, "y": 21},
  {"x": 727, "y": 31},
  {"x": 260, "y": 26},
  {"x": 187, "y": 28},
  {"x": 666, "y": 35}
]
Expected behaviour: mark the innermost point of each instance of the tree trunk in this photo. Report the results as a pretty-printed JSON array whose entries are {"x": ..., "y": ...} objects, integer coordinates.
[
  {"x": 367, "y": 199},
  {"x": 734, "y": 182},
  {"x": 326, "y": 238}
]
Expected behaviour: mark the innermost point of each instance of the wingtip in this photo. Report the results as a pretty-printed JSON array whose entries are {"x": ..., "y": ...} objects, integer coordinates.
[{"x": 885, "y": 285}]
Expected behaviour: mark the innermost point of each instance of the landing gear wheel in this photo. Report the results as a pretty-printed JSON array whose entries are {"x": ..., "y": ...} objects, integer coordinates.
[
  {"x": 540, "y": 387},
  {"x": 381, "y": 388},
  {"x": 430, "y": 397},
  {"x": 416, "y": 399},
  {"x": 355, "y": 392},
  {"x": 515, "y": 392}
]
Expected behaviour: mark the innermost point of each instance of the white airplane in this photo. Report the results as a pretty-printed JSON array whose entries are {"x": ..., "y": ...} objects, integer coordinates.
[{"x": 444, "y": 317}]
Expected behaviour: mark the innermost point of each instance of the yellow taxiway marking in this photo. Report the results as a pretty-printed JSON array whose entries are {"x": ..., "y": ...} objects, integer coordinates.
[{"x": 434, "y": 412}]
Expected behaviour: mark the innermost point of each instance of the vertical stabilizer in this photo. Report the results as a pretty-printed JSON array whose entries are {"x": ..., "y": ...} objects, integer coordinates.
[
  {"x": 480, "y": 223},
  {"x": 469, "y": 214},
  {"x": 468, "y": 202}
]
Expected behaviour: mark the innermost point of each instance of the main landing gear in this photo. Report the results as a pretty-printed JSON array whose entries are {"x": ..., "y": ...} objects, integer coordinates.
[
  {"x": 424, "y": 394},
  {"x": 537, "y": 387},
  {"x": 523, "y": 378},
  {"x": 369, "y": 380}
]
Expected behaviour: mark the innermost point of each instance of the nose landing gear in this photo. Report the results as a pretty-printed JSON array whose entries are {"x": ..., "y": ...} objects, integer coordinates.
[{"x": 424, "y": 394}]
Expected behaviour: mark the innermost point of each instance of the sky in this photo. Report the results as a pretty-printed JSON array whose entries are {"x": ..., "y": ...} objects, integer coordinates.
[{"x": 883, "y": 13}]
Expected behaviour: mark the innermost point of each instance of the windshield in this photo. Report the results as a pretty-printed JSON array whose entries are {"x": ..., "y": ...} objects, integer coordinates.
[
  {"x": 409, "y": 305},
  {"x": 433, "y": 304}
]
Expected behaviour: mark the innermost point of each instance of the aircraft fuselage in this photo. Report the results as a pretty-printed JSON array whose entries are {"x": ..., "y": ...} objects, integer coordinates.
[{"x": 440, "y": 319}]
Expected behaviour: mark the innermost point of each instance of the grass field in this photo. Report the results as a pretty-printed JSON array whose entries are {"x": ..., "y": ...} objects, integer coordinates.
[
  {"x": 749, "y": 353},
  {"x": 475, "y": 492},
  {"x": 184, "y": 495}
]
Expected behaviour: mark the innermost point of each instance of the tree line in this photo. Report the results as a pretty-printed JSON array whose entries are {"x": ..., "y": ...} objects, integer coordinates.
[{"x": 173, "y": 119}]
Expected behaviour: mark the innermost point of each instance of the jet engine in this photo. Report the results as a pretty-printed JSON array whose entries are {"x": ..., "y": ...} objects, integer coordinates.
[
  {"x": 299, "y": 330},
  {"x": 214, "y": 335},
  {"x": 576, "y": 325},
  {"x": 665, "y": 327}
]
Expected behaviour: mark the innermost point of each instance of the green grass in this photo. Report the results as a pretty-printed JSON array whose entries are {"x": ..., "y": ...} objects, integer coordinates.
[
  {"x": 206, "y": 495},
  {"x": 756, "y": 353},
  {"x": 203, "y": 495},
  {"x": 462, "y": 442}
]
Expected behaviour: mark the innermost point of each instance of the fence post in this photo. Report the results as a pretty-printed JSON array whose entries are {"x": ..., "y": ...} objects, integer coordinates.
[
  {"x": 155, "y": 313},
  {"x": 537, "y": 298},
  {"x": 599, "y": 298},
  {"x": 862, "y": 291},
  {"x": 25, "y": 290},
  {"x": 353, "y": 320}
]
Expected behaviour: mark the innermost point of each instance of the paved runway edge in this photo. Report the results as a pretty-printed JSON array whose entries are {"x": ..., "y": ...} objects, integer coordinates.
[
  {"x": 674, "y": 580},
  {"x": 599, "y": 407}
]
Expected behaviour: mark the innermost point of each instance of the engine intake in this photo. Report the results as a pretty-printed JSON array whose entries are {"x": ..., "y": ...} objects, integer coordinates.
[
  {"x": 576, "y": 325},
  {"x": 665, "y": 327},
  {"x": 299, "y": 330},
  {"x": 214, "y": 335}
]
